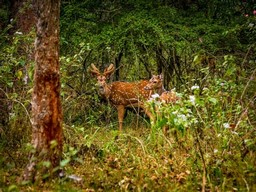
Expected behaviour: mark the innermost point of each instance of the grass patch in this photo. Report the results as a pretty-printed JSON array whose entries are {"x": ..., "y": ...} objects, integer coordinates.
[{"x": 132, "y": 162}]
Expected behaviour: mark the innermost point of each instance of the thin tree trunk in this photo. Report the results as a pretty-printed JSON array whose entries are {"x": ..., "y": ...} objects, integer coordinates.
[{"x": 117, "y": 62}]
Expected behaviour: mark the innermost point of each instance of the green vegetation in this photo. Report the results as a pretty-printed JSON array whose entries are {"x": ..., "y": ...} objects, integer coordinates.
[{"x": 206, "y": 50}]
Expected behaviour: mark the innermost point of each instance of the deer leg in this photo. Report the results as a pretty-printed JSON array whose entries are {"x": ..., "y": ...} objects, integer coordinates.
[
  {"x": 165, "y": 130},
  {"x": 148, "y": 113},
  {"x": 120, "y": 111}
]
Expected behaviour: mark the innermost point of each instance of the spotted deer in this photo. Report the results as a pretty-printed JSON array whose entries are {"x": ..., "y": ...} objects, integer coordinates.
[
  {"x": 166, "y": 97},
  {"x": 121, "y": 94},
  {"x": 156, "y": 86}
]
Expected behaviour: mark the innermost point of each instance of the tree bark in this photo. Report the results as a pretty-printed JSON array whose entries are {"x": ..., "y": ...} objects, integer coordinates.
[
  {"x": 23, "y": 14},
  {"x": 47, "y": 133},
  {"x": 117, "y": 62}
]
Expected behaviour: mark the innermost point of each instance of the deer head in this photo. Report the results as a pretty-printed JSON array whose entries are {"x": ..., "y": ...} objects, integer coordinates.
[
  {"x": 156, "y": 84},
  {"x": 102, "y": 78}
]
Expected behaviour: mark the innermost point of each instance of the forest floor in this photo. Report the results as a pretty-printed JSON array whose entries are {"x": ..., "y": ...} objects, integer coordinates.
[{"x": 98, "y": 159}]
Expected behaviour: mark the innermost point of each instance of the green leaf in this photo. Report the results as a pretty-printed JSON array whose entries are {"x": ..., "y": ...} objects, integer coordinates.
[
  {"x": 12, "y": 188},
  {"x": 10, "y": 84},
  {"x": 30, "y": 91},
  {"x": 46, "y": 164},
  {"x": 22, "y": 62},
  {"x": 19, "y": 74},
  {"x": 64, "y": 162},
  {"x": 197, "y": 59},
  {"x": 213, "y": 100}
]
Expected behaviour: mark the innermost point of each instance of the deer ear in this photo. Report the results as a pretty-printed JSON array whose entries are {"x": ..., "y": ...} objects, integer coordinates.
[
  {"x": 111, "y": 67},
  {"x": 109, "y": 71},
  {"x": 94, "y": 70},
  {"x": 161, "y": 76}
]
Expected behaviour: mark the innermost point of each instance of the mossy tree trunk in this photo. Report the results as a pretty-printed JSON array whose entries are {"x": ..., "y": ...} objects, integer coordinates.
[{"x": 46, "y": 104}]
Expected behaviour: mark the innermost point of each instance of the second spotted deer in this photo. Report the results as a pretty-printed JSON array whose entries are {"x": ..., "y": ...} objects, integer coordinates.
[{"x": 155, "y": 85}]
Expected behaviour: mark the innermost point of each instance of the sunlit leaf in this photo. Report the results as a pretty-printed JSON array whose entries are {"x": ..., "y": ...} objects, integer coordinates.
[
  {"x": 64, "y": 162},
  {"x": 12, "y": 188},
  {"x": 46, "y": 164},
  {"x": 19, "y": 74},
  {"x": 213, "y": 100}
]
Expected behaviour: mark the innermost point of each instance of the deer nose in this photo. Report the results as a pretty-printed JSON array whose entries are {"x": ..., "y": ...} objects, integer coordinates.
[{"x": 100, "y": 86}]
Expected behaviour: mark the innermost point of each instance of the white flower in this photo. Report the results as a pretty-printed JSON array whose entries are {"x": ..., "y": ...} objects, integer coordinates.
[
  {"x": 150, "y": 100},
  {"x": 182, "y": 117},
  {"x": 194, "y": 87},
  {"x": 215, "y": 150},
  {"x": 250, "y": 25},
  {"x": 154, "y": 96},
  {"x": 226, "y": 125},
  {"x": 192, "y": 99},
  {"x": 11, "y": 114},
  {"x": 175, "y": 112},
  {"x": 18, "y": 33}
]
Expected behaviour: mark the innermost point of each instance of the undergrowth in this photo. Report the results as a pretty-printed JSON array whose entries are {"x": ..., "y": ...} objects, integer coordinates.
[
  {"x": 210, "y": 144},
  {"x": 95, "y": 159}
]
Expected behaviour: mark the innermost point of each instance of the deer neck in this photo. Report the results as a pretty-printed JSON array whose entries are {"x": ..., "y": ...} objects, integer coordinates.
[
  {"x": 160, "y": 90},
  {"x": 105, "y": 91}
]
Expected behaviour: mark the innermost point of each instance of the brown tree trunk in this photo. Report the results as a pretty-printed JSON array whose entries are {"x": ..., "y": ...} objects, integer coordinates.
[
  {"x": 117, "y": 62},
  {"x": 46, "y": 104},
  {"x": 164, "y": 66}
]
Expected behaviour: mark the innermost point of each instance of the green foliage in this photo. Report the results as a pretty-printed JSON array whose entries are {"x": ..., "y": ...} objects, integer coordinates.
[
  {"x": 16, "y": 71},
  {"x": 14, "y": 62},
  {"x": 3, "y": 14},
  {"x": 214, "y": 116}
]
